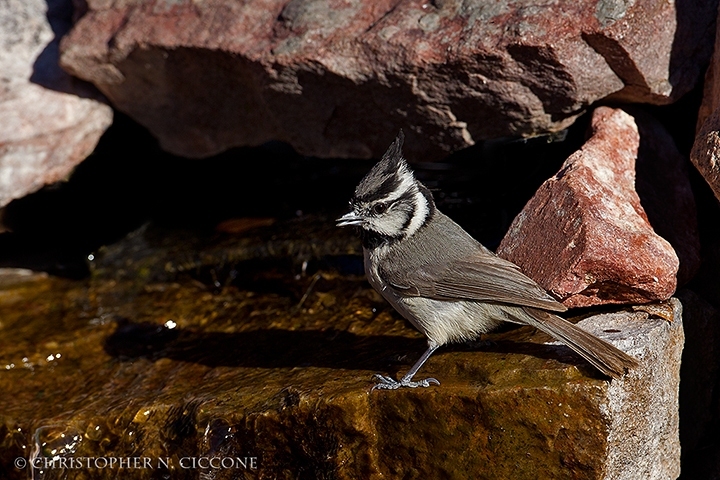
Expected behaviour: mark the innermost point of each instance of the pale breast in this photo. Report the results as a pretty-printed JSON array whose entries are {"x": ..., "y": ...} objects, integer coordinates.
[{"x": 451, "y": 321}]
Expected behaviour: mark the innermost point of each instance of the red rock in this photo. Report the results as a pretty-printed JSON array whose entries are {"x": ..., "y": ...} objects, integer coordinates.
[
  {"x": 339, "y": 78},
  {"x": 49, "y": 121},
  {"x": 584, "y": 235}
]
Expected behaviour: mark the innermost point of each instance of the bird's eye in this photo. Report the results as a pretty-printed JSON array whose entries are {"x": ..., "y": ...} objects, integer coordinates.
[{"x": 380, "y": 208}]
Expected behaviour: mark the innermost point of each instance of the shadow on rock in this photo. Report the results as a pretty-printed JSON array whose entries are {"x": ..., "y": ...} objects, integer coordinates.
[
  {"x": 271, "y": 348},
  {"x": 262, "y": 348}
]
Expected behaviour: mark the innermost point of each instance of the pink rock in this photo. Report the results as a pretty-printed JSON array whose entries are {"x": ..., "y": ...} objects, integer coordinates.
[
  {"x": 49, "y": 121},
  {"x": 339, "y": 78},
  {"x": 584, "y": 235}
]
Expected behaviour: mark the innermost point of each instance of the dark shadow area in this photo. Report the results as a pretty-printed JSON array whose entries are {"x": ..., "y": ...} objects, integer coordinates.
[
  {"x": 700, "y": 386},
  {"x": 269, "y": 348},
  {"x": 129, "y": 180},
  {"x": 282, "y": 277},
  {"x": 264, "y": 348},
  {"x": 662, "y": 181},
  {"x": 678, "y": 118},
  {"x": 692, "y": 44},
  {"x": 46, "y": 68}
]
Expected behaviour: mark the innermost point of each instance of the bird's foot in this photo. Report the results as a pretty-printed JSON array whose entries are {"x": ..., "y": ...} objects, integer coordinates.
[{"x": 388, "y": 383}]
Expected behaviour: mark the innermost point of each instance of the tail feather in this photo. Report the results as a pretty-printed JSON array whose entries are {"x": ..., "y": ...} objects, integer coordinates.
[{"x": 603, "y": 356}]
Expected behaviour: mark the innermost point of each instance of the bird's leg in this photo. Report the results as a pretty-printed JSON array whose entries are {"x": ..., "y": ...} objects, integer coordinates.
[{"x": 387, "y": 383}]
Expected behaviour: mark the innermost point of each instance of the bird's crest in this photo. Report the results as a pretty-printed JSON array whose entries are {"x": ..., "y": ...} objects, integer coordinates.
[{"x": 389, "y": 176}]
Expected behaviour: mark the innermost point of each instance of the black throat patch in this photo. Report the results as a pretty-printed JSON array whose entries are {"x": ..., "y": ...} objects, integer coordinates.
[{"x": 372, "y": 240}]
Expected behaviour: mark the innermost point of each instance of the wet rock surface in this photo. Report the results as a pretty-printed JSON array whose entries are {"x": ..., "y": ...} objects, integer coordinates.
[
  {"x": 49, "y": 121},
  {"x": 584, "y": 236},
  {"x": 338, "y": 79},
  {"x": 259, "y": 346}
]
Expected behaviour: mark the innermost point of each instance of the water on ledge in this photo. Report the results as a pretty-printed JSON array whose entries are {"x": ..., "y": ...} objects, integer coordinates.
[{"x": 176, "y": 340}]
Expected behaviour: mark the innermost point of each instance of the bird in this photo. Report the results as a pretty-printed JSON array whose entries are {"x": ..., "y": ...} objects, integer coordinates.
[{"x": 443, "y": 281}]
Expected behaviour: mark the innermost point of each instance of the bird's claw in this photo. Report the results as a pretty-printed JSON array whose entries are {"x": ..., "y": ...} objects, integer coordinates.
[{"x": 388, "y": 383}]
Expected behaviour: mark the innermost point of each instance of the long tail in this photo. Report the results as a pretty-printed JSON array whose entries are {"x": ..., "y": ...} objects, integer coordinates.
[{"x": 603, "y": 356}]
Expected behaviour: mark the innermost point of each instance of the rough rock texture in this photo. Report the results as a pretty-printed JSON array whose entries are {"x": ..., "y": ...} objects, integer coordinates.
[
  {"x": 339, "y": 78},
  {"x": 660, "y": 428},
  {"x": 663, "y": 185},
  {"x": 182, "y": 348},
  {"x": 49, "y": 122},
  {"x": 705, "y": 154},
  {"x": 584, "y": 235}
]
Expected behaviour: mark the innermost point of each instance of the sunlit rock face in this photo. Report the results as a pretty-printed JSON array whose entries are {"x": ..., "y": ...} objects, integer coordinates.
[{"x": 584, "y": 236}]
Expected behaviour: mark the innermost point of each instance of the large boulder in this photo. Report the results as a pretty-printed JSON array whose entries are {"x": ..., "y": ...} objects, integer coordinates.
[{"x": 338, "y": 79}]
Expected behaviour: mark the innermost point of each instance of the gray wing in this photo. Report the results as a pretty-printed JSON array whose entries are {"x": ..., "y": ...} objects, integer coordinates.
[{"x": 483, "y": 277}]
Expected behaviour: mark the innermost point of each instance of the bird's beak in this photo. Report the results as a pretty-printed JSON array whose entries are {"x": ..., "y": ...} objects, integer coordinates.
[{"x": 350, "y": 218}]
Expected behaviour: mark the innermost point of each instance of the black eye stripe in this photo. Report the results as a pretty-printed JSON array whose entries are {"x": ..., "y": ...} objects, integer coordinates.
[{"x": 408, "y": 197}]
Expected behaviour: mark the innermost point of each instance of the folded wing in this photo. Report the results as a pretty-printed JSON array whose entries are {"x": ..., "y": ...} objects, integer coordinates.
[{"x": 483, "y": 277}]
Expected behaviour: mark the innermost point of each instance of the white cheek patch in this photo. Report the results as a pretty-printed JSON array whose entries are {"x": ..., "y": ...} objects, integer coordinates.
[
  {"x": 422, "y": 210},
  {"x": 390, "y": 224}
]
